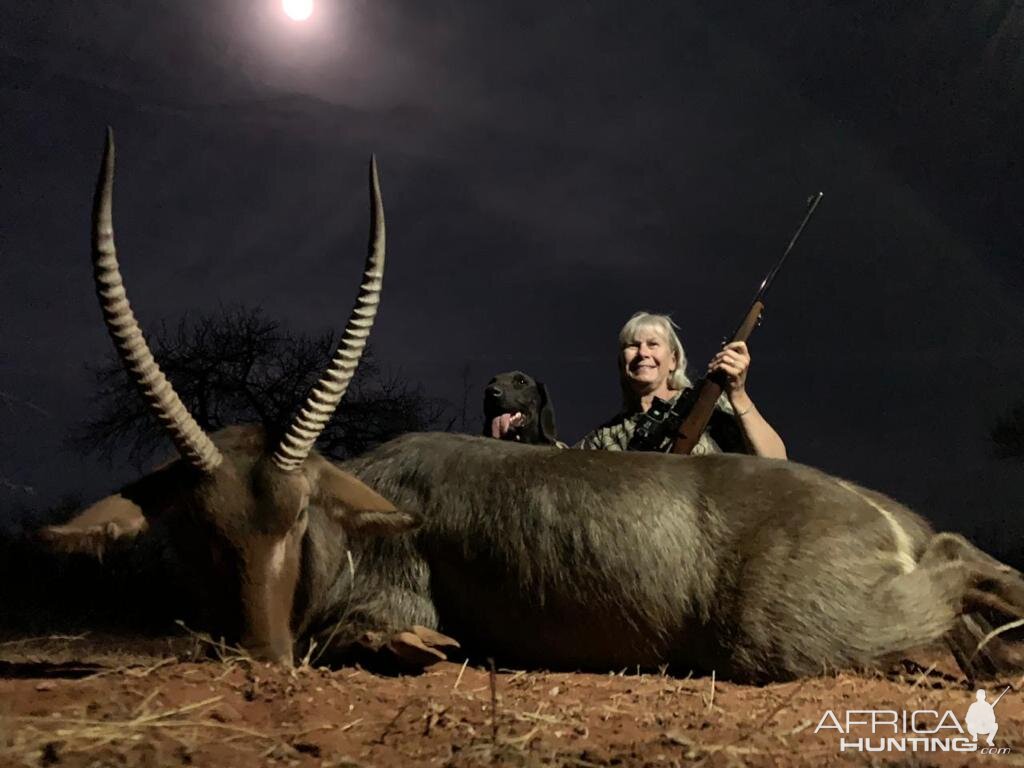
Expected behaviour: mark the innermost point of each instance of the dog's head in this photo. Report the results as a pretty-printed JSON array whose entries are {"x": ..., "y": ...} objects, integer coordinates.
[{"x": 516, "y": 393}]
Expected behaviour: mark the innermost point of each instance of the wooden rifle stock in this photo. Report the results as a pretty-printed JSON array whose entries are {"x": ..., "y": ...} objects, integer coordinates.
[{"x": 710, "y": 388}]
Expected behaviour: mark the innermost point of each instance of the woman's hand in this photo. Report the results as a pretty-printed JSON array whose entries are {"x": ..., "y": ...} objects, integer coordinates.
[{"x": 732, "y": 361}]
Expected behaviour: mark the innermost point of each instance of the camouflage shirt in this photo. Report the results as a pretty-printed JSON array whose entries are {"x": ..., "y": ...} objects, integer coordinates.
[{"x": 722, "y": 434}]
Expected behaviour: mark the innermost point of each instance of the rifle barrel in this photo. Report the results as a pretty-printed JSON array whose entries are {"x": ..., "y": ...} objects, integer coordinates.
[
  {"x": 812, "y": 203},
  {"x": 708, "y": 391},
  {"x": 1000, "y": 696}
]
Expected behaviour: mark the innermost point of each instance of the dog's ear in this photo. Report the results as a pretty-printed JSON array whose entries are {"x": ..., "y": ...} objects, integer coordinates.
[{"x": 547, "y": 416}]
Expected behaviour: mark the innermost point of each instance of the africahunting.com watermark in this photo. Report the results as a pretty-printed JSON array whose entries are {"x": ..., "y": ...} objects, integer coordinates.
[{"x": 919, "y": 730}]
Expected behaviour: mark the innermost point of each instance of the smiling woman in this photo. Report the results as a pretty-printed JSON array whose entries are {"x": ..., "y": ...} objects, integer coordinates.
[
  {"x": 298, "y": 10},
  {"x": 652, "y": 368}
]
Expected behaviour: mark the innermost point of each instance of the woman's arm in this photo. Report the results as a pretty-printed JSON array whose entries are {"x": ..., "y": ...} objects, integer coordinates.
[
  {"x": 761, "y": 436},
  {"x": 733, "y": 361}
]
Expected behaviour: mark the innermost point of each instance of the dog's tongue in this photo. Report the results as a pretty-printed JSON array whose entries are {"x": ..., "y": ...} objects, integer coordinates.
[{"x": 500, "y": 425}]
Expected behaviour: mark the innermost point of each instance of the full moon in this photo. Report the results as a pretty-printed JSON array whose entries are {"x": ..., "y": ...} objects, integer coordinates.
[{"x": 299, "y": 10}]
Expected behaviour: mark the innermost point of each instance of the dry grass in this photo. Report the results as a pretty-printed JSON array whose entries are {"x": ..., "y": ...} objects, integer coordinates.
[{"x": 237, "y": 712}]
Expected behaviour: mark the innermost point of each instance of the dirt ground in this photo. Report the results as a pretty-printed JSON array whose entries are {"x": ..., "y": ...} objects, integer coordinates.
[{"x": 93, "y": 700}]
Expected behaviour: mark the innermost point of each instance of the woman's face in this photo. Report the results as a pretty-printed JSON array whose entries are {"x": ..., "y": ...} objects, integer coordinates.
[{"x": 647, "y": 360}]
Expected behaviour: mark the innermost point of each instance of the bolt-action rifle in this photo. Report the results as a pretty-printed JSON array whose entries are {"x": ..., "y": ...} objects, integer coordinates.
[{"x": 688, "y": 417}]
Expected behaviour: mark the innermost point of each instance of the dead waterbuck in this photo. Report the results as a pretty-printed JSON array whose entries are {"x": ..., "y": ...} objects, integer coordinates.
[
  {"x": 235, "y": 507},
  {"x": 759, "y": 569}
]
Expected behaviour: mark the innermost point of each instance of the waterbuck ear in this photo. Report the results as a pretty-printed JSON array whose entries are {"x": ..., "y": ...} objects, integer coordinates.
[
  {"x": 356, "y": 505},
  {"x": 95, "y": 528}
]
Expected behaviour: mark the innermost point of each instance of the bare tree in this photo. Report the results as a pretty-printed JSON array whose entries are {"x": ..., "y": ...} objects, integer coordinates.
[
  {"x": 1008, "y": 433},
  {"x": 237, "y": 366}
]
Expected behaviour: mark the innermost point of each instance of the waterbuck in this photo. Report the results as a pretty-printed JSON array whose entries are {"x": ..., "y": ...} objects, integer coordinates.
[{"x": 759, "y": 569}]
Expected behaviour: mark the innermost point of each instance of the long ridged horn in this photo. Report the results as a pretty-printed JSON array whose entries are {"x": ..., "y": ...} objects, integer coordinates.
[
  {"x": 188, "y": 437},
  {"x": 325, "y": 396}
]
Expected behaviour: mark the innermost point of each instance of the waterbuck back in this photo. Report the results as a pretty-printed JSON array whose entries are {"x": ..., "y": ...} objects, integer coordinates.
[{"x": 759, "y": 569}]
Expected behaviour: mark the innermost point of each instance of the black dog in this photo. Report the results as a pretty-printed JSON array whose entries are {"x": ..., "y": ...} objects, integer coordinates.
[{"x": 526, "y": 399}]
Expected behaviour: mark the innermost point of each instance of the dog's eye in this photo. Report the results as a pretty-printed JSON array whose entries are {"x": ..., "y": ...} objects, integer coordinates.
[{"x": 520, "y": 381}]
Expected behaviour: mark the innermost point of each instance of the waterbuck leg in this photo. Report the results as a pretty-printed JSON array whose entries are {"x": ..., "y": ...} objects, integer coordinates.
[
  {"x": 992, "y": 592},
  {"x": 992, "y": 586},
  {"x": 965, "y": 639}
]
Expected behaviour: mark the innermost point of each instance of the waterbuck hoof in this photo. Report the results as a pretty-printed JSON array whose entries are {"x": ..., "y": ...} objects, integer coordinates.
[
  {"x": 417, "y": 646},
  {"x": 433, "y": 638},
  {"x": 411, "y": 650}
]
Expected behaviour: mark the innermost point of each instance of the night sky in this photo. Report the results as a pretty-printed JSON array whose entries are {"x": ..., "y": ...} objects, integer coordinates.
[{"x": 547, "y": 169}]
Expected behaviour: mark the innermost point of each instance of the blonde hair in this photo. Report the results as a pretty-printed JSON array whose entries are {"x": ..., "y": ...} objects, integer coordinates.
[{"x": 663, "y": 325}]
